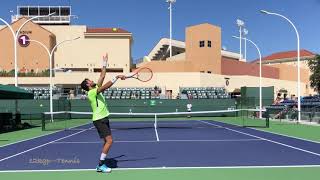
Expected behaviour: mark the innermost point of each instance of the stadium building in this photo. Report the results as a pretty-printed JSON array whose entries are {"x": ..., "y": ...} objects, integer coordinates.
[{"x": 197, "y": 62}]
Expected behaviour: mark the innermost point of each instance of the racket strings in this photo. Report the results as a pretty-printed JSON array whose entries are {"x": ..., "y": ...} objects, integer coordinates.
[{"x": 144, "y": 74}]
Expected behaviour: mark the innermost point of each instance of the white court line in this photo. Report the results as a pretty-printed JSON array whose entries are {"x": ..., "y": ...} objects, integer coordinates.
[
  {"x": 71, "y": 128},
  {"x": 155, "y": 127},
  {"x": 42, "y": 145},
  {"x": 182, "y": 140},
  {"x": 165, "y": 168},
  {"x": 285, "y": 135},
  {"x": 275, "y": 142},
  {"x": 281, "y": 134},
  {"x": 157, "y": 135}
]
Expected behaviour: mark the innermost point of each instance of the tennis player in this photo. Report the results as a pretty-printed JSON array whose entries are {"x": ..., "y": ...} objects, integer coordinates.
[
  {"x": 189, "y": 106},
  {"x": 100, "y": 111}
]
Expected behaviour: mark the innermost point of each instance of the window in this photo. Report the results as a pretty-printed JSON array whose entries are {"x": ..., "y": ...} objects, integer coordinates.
[
  {"x": 55, "y": 10},
  {"x": 79, "y": 69},
  {"x": 201, "y": 44},
  {"x": 65, "y": 11},
  {"x": 33, "y": 11},
  {"x": 23, "y": 11},
  {"x": 44, "y": 11},
  {"x": 120, "y": 70},
  {"x": 209, "y": 43}
]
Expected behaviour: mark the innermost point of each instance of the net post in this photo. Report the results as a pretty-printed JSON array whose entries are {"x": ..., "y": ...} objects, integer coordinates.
[
  {"x": 267, "y": 118},
  {"x": 43, "y": 121},
  {"x": 67, "y": 116},
  {"x": 242, "y": 117},
  {"x": 51, "y": 118},
  {"x": 236, "y": 116}
]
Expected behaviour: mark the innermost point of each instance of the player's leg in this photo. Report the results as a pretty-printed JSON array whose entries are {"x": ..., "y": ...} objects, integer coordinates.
[
  {"x": 104, "y": 131},
  {"x": 105, "y": 149},
  {"x": 189, "y": 116},
  {"x": 107, "y": 144}
]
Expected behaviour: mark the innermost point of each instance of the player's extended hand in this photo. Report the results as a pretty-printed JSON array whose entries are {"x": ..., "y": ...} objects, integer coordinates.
[
  {"x": 105, "y": 59},
  {"x": 122, "y": 77}
]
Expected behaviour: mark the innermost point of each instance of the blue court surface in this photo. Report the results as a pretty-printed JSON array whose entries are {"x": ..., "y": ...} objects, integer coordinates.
[{"x": 214, "y": 145}]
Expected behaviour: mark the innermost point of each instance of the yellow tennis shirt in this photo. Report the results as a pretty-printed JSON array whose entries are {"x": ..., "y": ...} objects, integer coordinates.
[{"x": 98, "y": 104}]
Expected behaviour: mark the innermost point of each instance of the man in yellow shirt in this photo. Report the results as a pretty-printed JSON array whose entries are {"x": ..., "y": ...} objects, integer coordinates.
[{"x": 100, "y": 111}]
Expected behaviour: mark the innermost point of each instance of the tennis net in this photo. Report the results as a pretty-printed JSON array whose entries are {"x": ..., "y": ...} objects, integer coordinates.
[{"x": 70, "y": 120}]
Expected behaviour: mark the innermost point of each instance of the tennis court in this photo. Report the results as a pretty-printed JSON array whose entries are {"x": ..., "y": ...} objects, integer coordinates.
[{"x": 182, "y": 142}]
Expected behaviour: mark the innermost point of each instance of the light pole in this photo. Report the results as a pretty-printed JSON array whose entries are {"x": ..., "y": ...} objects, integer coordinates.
[
  {"x": 170, "y": 10},
  {"x": 245, "y": 33},
  {"x": 240, "y": 24},
  {"x": 298, "y": 57},
  {"x": 50, "y": 53},
  {"x": 260, "y": 74},
  {"x": 15, "y": 39}
]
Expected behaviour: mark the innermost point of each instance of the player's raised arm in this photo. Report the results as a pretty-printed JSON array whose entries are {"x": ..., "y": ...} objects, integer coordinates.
[
  {"x": 110, "y": 83},
  {"x": 103, "y": 70}
]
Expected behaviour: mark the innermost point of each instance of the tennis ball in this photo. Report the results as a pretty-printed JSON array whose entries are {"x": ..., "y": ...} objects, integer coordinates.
[
  {"x": 41, "y": 105},
  {"x": 114, "y": 29},
  {"x": 146, "y": 59}
]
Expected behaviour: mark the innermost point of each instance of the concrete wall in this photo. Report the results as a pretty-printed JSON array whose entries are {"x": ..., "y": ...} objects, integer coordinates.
[
  {"x": 85, "y": 52},
  {"x": 32, "y": 57},
  {"x": 204, "y": 58},
  {"x": 196, "y": 58}
]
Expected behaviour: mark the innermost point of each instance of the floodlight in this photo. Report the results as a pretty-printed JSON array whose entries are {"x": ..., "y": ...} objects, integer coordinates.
[
  {"x": 171, "y": 1},
  {"x": 240, "y": 22}
]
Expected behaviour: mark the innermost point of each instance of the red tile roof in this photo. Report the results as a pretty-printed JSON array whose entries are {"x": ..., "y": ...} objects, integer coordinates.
[
  {"x": 287, "y": 55},
  {"x": 106, "y": 30}
]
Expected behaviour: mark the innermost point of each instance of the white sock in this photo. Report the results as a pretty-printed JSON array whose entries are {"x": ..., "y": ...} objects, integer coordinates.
[{"x": 103, "y": 156}]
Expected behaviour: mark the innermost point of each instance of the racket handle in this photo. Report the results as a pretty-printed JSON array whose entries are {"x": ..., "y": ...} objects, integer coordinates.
[
  {"x": 129, "y": 75},
  {"x": 114, "y": 79}
]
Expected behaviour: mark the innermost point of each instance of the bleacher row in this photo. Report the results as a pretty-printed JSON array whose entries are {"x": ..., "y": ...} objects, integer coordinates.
[
  {"x": 132, "y": 93},
  {"x": 41, "y": 93},
  {"x": 142, "y": 93},
  {"x": 305, "y": 101},
  {"x": 311, "y": 100},
  {"x": 111, "y": 93},
  {"x": 205, "y": 92}
]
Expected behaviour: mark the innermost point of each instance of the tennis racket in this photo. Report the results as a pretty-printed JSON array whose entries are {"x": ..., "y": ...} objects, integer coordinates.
[{"x": 143, "y": 74}]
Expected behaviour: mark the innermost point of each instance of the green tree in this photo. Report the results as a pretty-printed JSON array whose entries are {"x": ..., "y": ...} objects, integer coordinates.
[{"x": 314, "y": 65}]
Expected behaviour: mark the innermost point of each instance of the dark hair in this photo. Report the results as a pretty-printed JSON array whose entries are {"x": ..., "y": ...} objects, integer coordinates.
[{"x": 84, "y": 85}]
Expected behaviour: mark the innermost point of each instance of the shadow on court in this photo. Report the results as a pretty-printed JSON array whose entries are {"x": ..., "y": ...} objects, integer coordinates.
[{"x": 113, "y": 162}]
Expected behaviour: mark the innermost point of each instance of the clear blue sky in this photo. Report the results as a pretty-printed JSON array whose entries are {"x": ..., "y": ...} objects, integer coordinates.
[{"x": 148, "y": 20}]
